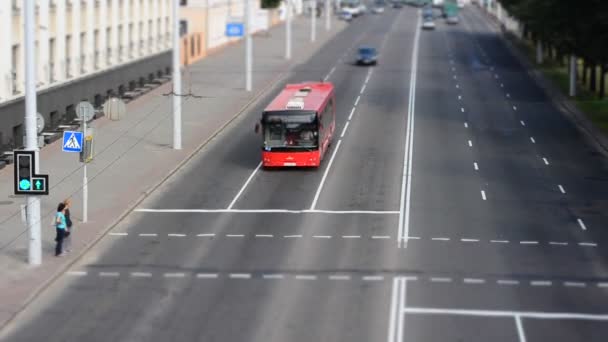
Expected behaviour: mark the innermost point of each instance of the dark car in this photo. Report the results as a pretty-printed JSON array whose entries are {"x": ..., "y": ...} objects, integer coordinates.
[
  {"x": 397, "y": 4},
  {"x": 367, "y": 55}
]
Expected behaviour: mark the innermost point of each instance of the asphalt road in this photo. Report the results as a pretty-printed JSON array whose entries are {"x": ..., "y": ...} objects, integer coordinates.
[{"x": 456, "y": 204}]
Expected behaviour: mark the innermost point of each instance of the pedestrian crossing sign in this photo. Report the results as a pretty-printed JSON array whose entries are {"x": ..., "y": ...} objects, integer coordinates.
[{"x": 72, "y": 141}]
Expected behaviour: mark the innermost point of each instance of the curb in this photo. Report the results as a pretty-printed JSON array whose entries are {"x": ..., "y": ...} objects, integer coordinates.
[{"x": 565, "y": 106}]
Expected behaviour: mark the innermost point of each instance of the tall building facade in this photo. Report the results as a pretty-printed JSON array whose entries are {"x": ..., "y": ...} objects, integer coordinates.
[{"x": 85, "y": 50}]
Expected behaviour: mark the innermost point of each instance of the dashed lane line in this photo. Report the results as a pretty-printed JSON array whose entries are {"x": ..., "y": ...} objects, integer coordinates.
[
  {"x": 546, "y": 161},
  {"x": 581, "y": 224},
  {"x": 561, "y": 188}
]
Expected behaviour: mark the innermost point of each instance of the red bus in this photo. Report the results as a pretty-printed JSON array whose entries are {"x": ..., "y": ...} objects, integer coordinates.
[{"x": 298, "y": 125}]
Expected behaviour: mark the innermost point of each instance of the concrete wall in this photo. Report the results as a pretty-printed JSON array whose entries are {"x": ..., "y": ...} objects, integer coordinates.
[{"x": 57, "y": 99}]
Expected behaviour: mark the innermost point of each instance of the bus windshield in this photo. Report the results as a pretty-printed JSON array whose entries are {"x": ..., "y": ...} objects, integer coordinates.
[{"x": 286, "y": 132}]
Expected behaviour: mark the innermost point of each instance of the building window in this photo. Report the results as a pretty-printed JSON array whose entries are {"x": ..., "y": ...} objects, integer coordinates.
[
  {"x": 183, "y": 2},
  {"x": 52, "y": 59},
  {"x": 16, "y": 66}
]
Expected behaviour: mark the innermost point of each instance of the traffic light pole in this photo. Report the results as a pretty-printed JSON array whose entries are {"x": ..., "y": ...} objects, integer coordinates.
[
  {"x": 288, "y": 29},
  {"x": 248, "y": 45},
  {"x": 313, "y": 20},
  {"x": 327, "y": 15},
  {"x": 31, "y": 132},
  {"x": 177, "y": 80}
]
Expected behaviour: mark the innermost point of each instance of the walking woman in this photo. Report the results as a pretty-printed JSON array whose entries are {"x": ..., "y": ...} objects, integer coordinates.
[
  {"x": 68, "y": 222},
  {"x": 60, "y": 227}
]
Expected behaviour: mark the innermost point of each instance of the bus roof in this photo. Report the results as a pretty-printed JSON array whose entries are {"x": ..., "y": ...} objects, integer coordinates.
[{"x": 308, "y": 96}]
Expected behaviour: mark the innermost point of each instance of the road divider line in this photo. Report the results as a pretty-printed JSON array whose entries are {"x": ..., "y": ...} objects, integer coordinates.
[
  {"x": 587, "y": 244},
  {"x": 118, "y": 234},
  {"x": 522, "y": 123},
  {"x": 561, "y": 188},
  {"x": 235, "y": 235},
  {"x": 206, "y": 235},
  {"x": 77, "y": 273},
  {"x": 470, "y": 143},
  {"x": 148, "y": 234},
  {"x": 174, "y": 275},
  {"x": 483, "y": 195},
  {"x": 574, "y": 284},
  {"x": 292, "y": 236},
  {"x": 476, "y": 166},
  {"x": 474, "y": 281},
  {"x": 176, "y": 235},
  {"x": 273, "y": 276},
  {"x": 239, "y": 275},
  {"x": 406, "y": 182},
  {"x": 363, "y": 89},
  {"x": 520, "y": 329},
  {"x": 441, "y": 280},
  {"x": 109, "y": 274},
  {"x": 546, "y": 161},
  {"x": 462, "y": 109},
  {"x": 558, "y": 243},
  {"x": 541, "y": 283},
  {"x": 236, "y": 198},
  {"x": 357, "y": 100},
  {"x": 207, "y": 275},
  {"x": 320, "y": 188},
  {"x": 322, "y": 236},
  {"x": 466, "y": 125},
  {"x": 532, "y": 140},
  {"x": 339, "y": 277},
  {"x": 305, "y": 277},
  {"x": 469, "y": 240},
  {"x": 507, "y": 282},
  {"x": 581, "y": 224},
  {"x": 264, "y": 235},
  {"x": 351, "y": 236},
  {"x": 440, "y": 239},
  {"x": 345, "y": 128},
  {"x": 352, "y": 111},
  {"x": 141, "y": 274},
  {"x": 378, "y": 237},
  {"x": 499, "y": 241}
]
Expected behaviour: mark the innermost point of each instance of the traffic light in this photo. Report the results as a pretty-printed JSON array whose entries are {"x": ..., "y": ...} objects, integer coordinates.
[{"x": 26, "y": 181}]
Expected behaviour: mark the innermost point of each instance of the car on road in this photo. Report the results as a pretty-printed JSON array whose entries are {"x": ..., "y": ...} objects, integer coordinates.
[
  {"x": 397, "y": 4},
  {"x": 453, "y": 20},
  {"x": 378, "y": 9},
  {"x": 428, "y": 23},
  {"x": 427, "y": 11},
  {"x": 346, "y": 16},
  {"x": 367, "y": 56}
]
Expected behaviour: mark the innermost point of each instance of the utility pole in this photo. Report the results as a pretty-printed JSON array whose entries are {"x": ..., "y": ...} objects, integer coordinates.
[
  {"x": 313, "y": 20},
  {"x": 177, "y": 80},
  {"x": 248, "y": 45},
  {"x": 288, "y": 29},
  {"x": 85, "y": 180},
  {"x": 327, "y": 15},
  {"x": 31, "y": 132}
]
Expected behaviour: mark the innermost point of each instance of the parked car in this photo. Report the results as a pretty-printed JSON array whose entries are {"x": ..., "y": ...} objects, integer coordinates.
[
  {"x": 367, "y": 55},
  {"x": 346, "y": 16},
  {"x": 378, "y": 9}
]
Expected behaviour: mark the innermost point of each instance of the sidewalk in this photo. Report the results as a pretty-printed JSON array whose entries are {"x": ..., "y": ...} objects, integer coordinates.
[{"x": 133, "y": 156}]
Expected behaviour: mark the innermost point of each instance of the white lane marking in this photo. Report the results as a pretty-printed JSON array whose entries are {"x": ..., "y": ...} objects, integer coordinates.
[
  {"x": 520, "y": 329},
  {"x": 522, "y": 123},
  {"x": 495, "y": 75},
  {"x": 546, "y": 161},
  {"x": 466, "y": 125},
  {"x": 268, "y": 211},
  {"x": 322, "y": 236},
  {"x": 331, "y": 72},
  {"x": 339, "y": 277},
  {"x": 410, "y": 278},
  {"x": 273, "y": 276},
  {"x": 581, "y": 223},
  {"x": 460, "y": 97},
  {"x": 476, "y": 166},
  {"x": 292, "y": 236},
  {"x": 499, "y": 313},
  {"x": 528, "y": 242},
  {"x": 508, "y": 95},
  {"x": 119, "y": 234},
  {"x": 331, "y": 161},
  {"x": 440, "y": 239},
  {"x": 373, "y": 278},
  {"x": 507, "y": 282},
  {"x": 176, "y": 235},
  {"x": 532, "y": 140},
  {"x": 362, "y": 89},
  {"x": 457, "y": 86},
  {"x": 380, "y": 237},
  {"x": 502, "y": 85},
  {"x": 470, "y": 143},
  {"x": 602, "y": 285},
  {"x": 394, "y": 311},
  {"x": 344, "y": 130},
  {"x": 240, "y": 275},
  {"x": 141, "y": 274},
  {"x": 206, "y": 235},
  {"x": 499, "y": 241},
  {"x": 558, "y": 243},
  {"x": 357, "y": 100},
  {"x": 236, "y": 198},
  {"x": 574, "y": 284},
  {"x": 561, "y": 188},
  {"x": 406, "y": 181},
  {"x": 412, "y": 237},
  {"x": 352, "y": 111},
  {"x": 351, "y": 236},
  {"x": 206, "y": 275},
  {"x": 148, "y": 234},
  {"x": 469, "y": 240},
  {"x": 174, "y": 275},
  {"x": 235, "y": 235},
  {"x": 473, "y": 281},
  {"x": 455, "y": 77},
  {"x": 483, "y": 195},
  {"x": 77, "y": 273},
  {"x": 462, "y": 109},
  {"x": 587, "y": 244},
  {"x": 264, "y": 235},
  {"x": 541, "y": 283},
  {"x": 441, "y": 280},
  {"x": 109, "y": 274},
  {"x": 305, "y": 277},
  {"x": 514, "y": 107}
]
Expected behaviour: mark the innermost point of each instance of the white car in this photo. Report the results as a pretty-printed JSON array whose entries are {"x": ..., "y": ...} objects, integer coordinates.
[
  {"x": 378, "y": 9},
  {"x": 453, "y": 20},
  {"x": 428, "y": 24},
  {"x": 346, "y": 16}
]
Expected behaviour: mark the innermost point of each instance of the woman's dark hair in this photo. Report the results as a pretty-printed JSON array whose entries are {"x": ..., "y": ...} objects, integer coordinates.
[{"x": 60, "y": 207}]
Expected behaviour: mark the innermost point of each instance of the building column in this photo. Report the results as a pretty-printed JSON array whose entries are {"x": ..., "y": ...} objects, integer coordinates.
[
  {"x": 60, "y": 32},
  {"x": 76, "y": 53},
  {"x": 43, "y": 43},
  {"x": 126, "y": 20},
  {"x": 155, "y": 29},
  {"x": 20, "y": 64},
  {"x": 90, "y": 45},
  {"x": 114, "y": 43},
  {"x": 6, "y": 45},
  {"x": 136, "y": 32},
  {"x": 102, "y": 44},
  {"x": 164, "y": 28},
  {"x": 145, "y": 35}
]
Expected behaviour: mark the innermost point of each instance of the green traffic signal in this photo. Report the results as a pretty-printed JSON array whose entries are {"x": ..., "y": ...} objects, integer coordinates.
[{"x": 25, "y": 184}]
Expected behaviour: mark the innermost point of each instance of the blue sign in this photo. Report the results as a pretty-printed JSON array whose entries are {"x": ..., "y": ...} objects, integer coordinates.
[
  {"x": 235, "y": 29},
  {"x": 72, "y": 141}
]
